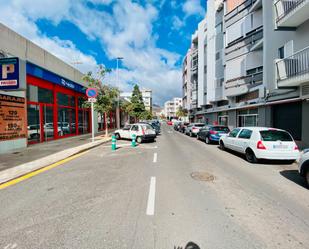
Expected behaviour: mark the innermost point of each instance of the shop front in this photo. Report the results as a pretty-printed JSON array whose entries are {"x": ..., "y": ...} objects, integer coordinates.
[{"x": 54, "y": 106}]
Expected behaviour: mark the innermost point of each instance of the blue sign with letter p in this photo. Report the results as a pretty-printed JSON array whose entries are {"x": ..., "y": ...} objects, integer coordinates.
[{"x": 9, "y": 73}]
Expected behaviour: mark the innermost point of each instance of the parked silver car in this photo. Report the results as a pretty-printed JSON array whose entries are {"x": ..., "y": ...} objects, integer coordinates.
[
  {"x": 304, "y": 165},
  {"x": 193, "y": 128}
]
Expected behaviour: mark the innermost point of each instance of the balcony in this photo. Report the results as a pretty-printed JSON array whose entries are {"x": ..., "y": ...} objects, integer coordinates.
[
  {"x": 294, "y": 70},
  {"x": 243, "y": 84},
  {"x": 291, "y": 13}
]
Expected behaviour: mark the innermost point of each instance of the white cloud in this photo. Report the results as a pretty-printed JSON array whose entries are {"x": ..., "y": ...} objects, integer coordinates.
[
  {"x": 127, "y": 32},
  {"x": 177, "y": 23},
  {"x": 193, "y": 7}
]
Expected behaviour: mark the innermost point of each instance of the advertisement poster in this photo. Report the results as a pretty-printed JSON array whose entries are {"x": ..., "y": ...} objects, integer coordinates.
[{"x": 12, "y": 118}]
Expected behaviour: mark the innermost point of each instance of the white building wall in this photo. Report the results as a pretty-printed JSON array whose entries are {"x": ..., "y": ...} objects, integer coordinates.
[{"x": 201, "y": 59}]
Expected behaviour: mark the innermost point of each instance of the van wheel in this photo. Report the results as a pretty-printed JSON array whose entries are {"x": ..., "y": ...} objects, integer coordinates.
[
  {"x": 221, "y": 146},
  {"x": 139, "y": 140},
  {"x": 250, "y": 156},
  {"x": 117, "y": 135},
  {"x": 207, "y": 140}
]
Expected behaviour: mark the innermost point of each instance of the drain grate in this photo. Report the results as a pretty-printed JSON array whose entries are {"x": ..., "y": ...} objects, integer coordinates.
[{"x": 203, "y": 176}]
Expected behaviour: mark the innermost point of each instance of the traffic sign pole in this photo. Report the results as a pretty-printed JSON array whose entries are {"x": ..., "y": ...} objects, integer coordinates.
[{"x": 92, "y": 121}]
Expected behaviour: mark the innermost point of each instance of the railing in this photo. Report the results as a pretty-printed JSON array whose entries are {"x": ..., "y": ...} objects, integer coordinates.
[
  {"x": 295, "y": 65},
  {"x": 284, "y": 7},
  {"x": 248, "y": 40},
  {"x": 242, "y": 6},
  {"x": 253, "y": 80}
]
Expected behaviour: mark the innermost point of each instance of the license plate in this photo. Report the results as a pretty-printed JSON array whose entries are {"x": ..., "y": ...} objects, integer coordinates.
[{"x": 280, "y": 146}]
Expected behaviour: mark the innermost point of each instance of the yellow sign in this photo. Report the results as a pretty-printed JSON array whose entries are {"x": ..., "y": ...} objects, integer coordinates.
[{"x": 12, "y": 118}]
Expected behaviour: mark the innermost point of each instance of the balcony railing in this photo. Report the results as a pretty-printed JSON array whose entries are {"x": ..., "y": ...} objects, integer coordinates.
[
  {"x": 294, "y": 66},
  {"x": 242, "y": 6},
  {"x": 250, "y": 80},
  {"x": 249, "y": 41},
  {"x": 284, "y": 7}
]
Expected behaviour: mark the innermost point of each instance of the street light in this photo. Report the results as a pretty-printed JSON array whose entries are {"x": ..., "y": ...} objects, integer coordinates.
[{"x": 117, "y": 109}]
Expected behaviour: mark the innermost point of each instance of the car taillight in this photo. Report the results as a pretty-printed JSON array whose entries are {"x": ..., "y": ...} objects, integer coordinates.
[
  {"x": 296, "y": 147},
  {"x": 194, "y": 128},
  {"x": 213, "y": 132},
  {"x": 260, "y": 146}
]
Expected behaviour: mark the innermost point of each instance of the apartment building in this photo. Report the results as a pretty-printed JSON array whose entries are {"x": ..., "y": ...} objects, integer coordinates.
[
  {"x": 146, "y": 94},
  {"x": 257, "y": 65},
  {"x": 186, "y": 81},
  {"x": 171, "y": 107}
]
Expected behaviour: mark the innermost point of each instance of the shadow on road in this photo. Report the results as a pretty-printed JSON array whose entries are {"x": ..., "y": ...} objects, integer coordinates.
[
  {"x": 294, "y": 176},
  {"x": 261, "y": 161},
  {"x": 190, "y": 245}
]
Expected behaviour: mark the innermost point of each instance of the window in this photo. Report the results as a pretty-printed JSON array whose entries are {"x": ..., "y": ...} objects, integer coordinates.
[
  {"x": 245, "y": 134},
  {"x": 281, "y": 52},
  {"x": 134, "y": 128},
  {"x": 38, "y": 94},
  {"x": 65, "y": 100},
  {"x": 275, "y": 135},
  {"x": 220, "y": 129},
  {"x": 234, "y": 132},
  {"x": 218, "y": 56},
  {"x": 127, "y": 128}
]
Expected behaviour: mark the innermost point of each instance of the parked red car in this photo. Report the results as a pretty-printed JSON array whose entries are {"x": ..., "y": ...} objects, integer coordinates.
[{"x": 169, "y": 123}]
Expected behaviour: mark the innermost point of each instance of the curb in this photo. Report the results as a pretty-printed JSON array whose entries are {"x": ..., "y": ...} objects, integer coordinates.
[{"x": 20, "y": 170}]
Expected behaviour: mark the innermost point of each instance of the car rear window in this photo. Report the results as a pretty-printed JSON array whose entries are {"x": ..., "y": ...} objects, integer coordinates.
[
  {"x": 275, "y": 135},
  {"x": 198, "y": 125},
  {"x": 220, "y": 128},
  {"x": 147, "y": 127}
]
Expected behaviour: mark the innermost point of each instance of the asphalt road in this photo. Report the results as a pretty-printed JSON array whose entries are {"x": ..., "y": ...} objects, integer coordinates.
[{"x": 159, "y": 195}]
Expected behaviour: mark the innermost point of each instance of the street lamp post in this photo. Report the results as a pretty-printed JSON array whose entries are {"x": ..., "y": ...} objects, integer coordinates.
[{"x": 117, "y": 109}]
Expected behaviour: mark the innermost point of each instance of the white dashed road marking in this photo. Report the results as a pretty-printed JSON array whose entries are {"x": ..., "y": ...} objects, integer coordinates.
[
  {"x": 151, "y": 197},
  {"x": 155, "y": 157}
]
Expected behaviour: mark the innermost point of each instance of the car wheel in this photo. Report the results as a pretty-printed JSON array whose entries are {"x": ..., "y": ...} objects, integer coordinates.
[
  {"x": 139, "y": 140},
  {"x": 191, "y": 135},
  {"x": 250, "y": 156},
  {"x": 221, "y": 145},
  {"x": 207, "y": 140},
  {"x": 117, "y": 135}
]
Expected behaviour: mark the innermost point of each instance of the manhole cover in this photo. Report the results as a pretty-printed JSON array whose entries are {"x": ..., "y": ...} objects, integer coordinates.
[{"x": 202, "y": 176}]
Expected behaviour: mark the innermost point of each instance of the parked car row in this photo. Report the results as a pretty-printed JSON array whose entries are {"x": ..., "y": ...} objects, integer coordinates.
[{"x": 255, "y": 143}]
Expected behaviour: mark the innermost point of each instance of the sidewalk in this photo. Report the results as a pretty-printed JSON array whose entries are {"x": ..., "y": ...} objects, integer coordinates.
[{"x": 17, "y": 163}]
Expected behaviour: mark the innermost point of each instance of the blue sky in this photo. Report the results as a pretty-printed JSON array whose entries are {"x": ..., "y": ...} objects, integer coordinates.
[{"x": 151, "y": 35}]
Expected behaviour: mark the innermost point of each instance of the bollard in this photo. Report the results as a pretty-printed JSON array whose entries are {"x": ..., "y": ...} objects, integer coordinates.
[
  {"x": 114, "y": 146},
  {"x": 133, "y": 140}
]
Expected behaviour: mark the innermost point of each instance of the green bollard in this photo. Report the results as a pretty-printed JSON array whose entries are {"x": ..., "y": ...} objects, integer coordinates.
[
  {"x": 114, "y": 146},
  {"x": 133, "y": 144}
]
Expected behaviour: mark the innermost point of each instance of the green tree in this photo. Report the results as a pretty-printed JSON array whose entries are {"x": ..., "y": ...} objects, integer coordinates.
[
  {"x": 181, "y": 112},
  {"x": 146, "y": 115},
  {"x": 107, "y": 95},
  {"x": 136, "y": 108}
]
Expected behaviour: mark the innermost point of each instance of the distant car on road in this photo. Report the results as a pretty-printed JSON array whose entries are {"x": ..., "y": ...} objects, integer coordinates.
[
  {"x": 169, "y": 123},
  {"x": 193, "y": 128},
  {"x": 212, "y": 133},
  {"x": 177, "y": 125},
  {"x": 261, "y": 143},
  {"x": 183, "y": 127},
  {"x": 154, "y": 125},
  {"x": 144, "y": 132},
  {"x": 303, "y": 166}
]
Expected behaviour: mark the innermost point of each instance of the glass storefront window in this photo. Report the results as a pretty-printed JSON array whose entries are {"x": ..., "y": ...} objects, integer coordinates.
[
  {"x": 223, "y": 120},
  {"x": 81, "y": 102},
  {"x": 33, "y": 123},
  {"x": 38, "y": 94},
  {"x": 48, "y": 121},
  {"x": 65, "y": 99},
  {"x": 83, "y": 121},
  {"x": 66, "y": 121}
]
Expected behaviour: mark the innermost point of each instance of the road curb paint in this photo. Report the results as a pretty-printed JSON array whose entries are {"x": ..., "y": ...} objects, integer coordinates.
[{"x": 38, "y": 171}]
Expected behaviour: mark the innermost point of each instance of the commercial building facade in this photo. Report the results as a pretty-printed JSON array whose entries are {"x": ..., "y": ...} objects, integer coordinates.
[
  {"x": 260, "y": 74},
  {"x": 45, "y": 100}
]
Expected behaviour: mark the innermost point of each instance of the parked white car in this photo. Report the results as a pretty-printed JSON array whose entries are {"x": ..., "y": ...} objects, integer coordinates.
[
  {"x": 143, "y": 132},
  {"x": 261, "y": 143},
  {"x": 303, "y": 165}
]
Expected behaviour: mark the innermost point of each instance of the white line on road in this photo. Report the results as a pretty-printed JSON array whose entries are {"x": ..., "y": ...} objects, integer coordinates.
[
  {"x": 155, "y": 157},
  {"x": 151, "y": 197}
]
